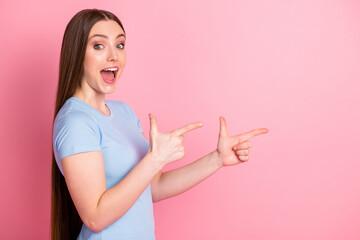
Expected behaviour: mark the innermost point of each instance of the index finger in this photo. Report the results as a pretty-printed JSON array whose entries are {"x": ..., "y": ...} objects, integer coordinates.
[
  {"x": 187, "y": 128},
  {"x": 253, "y": 133}
]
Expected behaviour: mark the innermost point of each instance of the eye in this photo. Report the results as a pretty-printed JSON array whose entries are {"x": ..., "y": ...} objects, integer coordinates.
[
  {"x": 122, "y": 45},
  {"x": 96, "y": 46}
]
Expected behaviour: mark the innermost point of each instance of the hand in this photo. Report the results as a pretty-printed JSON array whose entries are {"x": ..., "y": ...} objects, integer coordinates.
[
  {"x": 168, "y": 147},
  {"x": 235, "y": 149}
]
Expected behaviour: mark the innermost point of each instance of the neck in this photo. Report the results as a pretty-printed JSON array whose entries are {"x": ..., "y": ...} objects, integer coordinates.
[{"x": 97, "y": 101}]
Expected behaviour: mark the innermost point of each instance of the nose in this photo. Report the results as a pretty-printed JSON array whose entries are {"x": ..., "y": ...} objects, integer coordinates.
[{"x": 112, "y": 55}]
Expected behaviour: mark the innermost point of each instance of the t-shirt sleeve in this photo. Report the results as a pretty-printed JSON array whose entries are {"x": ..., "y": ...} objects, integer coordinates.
[
  {"x": 74, "y": 133},
  {"x": 133, "y": 116}
]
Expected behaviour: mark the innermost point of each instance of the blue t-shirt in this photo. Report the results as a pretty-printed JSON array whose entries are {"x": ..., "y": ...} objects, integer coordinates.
[{"x": 79, "y": 127}]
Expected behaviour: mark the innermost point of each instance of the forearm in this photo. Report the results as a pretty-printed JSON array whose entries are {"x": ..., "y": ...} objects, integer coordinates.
[
  {"x": 177, "y": 181},
  {"x": 116, "y": 201}
]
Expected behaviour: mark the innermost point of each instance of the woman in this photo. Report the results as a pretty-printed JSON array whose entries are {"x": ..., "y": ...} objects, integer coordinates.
[{"x": 105, "y": 174}]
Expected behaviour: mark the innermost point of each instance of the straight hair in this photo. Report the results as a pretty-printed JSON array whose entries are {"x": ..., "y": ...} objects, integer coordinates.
[{"x": 65, "y": 220}]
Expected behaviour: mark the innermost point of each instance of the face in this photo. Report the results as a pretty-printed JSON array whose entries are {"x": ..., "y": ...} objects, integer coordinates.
[{"x": 105, "y": 50}]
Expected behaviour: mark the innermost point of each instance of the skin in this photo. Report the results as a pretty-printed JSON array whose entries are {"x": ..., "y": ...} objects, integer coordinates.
[
  {"x": 101, "y": 53},
  {"x": 84, "y": 172}
]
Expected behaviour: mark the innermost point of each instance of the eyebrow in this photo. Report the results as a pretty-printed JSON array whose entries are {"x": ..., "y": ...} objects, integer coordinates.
[{"x": 104, "y": 36}]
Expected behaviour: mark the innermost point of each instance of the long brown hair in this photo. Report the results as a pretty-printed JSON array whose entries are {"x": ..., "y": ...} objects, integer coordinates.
[{"x": 65, "y": 220}]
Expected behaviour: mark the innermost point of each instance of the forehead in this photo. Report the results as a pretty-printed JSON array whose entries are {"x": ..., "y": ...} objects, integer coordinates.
[{"x": 106, "y": 27}]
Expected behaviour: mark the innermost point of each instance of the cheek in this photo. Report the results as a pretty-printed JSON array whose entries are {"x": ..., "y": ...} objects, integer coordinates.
[
  {"x": 90, "y": 73},
  {"x": 91, "y": 66},
  {"x": 122, "y": 57},
  {"x": 93, "y": 58}
]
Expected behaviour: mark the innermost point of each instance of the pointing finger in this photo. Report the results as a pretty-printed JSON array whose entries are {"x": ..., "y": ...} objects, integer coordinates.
[
  {"x": 186, "y": 128},
  {"x": 252, "y": 133}
]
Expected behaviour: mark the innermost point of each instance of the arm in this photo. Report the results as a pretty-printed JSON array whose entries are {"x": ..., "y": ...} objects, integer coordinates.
[
  {"x": 231, "y": 150},
  {"x": 154, "y": 181},
  {"x": 84, "y": 174},
  {"x": 177, "y": 181},
  {"x": 97, "y": 206}
]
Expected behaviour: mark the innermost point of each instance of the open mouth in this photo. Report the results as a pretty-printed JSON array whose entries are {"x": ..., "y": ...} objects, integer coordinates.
[{"x": 109, "y": 74}]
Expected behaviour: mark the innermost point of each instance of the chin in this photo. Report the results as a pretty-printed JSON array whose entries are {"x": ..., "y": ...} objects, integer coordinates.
[{"x": 109, "y": 91}]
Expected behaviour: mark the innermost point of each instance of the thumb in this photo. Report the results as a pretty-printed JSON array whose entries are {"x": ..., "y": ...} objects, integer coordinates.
[
  {"x": 153, "y": 124},
  {"x": 223, "y": 127}
]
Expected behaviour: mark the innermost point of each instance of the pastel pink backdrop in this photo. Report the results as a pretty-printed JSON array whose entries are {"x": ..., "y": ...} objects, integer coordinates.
[{"x": 290, "y": 66}]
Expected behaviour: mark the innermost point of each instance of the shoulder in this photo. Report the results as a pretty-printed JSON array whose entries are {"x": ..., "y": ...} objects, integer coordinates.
[
  {"x": 74, "y": 126},
  {"x": 75, "y": 130},
  {"x": 73, "y": 116}
]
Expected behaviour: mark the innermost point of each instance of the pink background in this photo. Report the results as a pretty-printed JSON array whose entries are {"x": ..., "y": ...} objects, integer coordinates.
[{"x": 290, "y": 66}]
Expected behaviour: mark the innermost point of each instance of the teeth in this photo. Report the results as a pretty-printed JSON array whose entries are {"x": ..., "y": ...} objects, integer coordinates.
[{"x": 110, "y": 69}]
